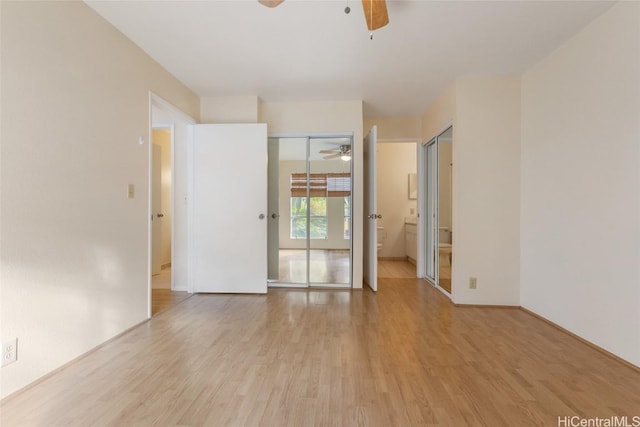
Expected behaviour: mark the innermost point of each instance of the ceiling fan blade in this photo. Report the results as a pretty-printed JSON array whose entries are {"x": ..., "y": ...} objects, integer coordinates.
[
  {"x": 270, "y": 3},
  {"x": 375, "y": 13},
  {"x": 332, "y": 156},
  {"x": 329, "y": 151}
]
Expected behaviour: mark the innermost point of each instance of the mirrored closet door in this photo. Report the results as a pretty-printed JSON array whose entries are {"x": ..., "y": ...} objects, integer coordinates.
[
  {"x": 309, "y": 235},
  {"x": 438, "y": 208}
]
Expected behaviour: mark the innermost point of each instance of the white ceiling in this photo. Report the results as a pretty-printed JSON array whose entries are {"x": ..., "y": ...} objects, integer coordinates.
[{"x": 311, "y": 50}]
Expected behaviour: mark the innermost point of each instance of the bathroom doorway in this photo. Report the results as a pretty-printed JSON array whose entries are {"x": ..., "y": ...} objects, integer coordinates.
[
  {"x": 169, "y": 134},
  {"x": 309, "y": 211},
  {"x": 437, "y": 206},
  {"x": 397, "y": 203},
  {"x": 161, "y": 220}
]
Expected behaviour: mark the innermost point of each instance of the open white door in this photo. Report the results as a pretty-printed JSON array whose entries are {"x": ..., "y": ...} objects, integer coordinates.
[
  {"x": 371, "y": 210},
  {"x": 156, "y": 208},
  {"x": 229, "y": 208}
]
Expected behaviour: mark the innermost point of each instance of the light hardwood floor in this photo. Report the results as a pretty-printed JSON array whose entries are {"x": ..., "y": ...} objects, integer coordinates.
[
  {"x": 396, "y": 269},
  {"x": 444, "y": 273},
  {"x": 404, "y": 356},
  {"x": 326, "y": 266},
  {"x": 164, "y": 298}
]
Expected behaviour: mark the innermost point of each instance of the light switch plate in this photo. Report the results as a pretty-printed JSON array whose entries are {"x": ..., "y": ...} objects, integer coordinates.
[{"x": 131, "y": 191}]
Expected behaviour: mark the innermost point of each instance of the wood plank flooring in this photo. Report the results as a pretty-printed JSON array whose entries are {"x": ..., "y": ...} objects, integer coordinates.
[
  {"x": 402, "y": 357},
  {"x": 396, "y": 269},
  {"x": 162, "y": 299},
  {"x": 326, "y": 266},
  {"x": 444, "y": 272}
]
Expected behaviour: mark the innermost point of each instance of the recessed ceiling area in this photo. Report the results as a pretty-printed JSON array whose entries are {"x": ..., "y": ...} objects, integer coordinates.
[{"x": 312, "y": 51}]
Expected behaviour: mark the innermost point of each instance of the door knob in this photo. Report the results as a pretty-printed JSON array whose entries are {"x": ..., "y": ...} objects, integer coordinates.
[
  {"x": 261, "y": 216},
  {"x": 160, "y": 215},
  {"x": 274, "y": 215}
]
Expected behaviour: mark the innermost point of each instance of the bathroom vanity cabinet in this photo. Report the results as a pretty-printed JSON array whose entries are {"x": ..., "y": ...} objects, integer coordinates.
[{"x": 411, "y": 241}]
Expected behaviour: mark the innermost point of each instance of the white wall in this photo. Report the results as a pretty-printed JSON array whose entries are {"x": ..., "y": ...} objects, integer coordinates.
[
  {"x": 75, "y": 100},
  {"x": 335, "y": 206},
  {"x": 318, "y": 117},
  {"x": 229, "y": 109},
  {"x": 580, "y": 221},
  {"x": 396, "y": 160}
]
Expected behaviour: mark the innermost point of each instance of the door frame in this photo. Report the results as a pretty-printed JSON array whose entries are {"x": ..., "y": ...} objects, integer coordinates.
[
  {"x": 423, "y": 218},
  {"x": 422, "y": 215},
  {"x": 159, "y": 103},
  {"x": 308, "y": 137},
  {"x": 418, "y": 142}
]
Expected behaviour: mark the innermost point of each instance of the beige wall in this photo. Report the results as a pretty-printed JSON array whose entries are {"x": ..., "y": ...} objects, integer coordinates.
[
  {"x": 75, "y": 100},
  {"x": 486, "y": 198},
  {"x": 445, "y": 159},
  {"x": 440, "y": 115},
  {"x": 162, "y": 137},
  {"x": 395, "y": 128},
  {"x": 319, "y": 117},
  {"x": 396, "y": 160},
  {"x": 229, "y": 109},
  {"x": 485, "y": 113},
  {"x": 580, "y": 220}
]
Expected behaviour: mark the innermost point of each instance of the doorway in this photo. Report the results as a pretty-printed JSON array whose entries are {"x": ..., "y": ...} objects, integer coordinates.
[
  {"x": 309, "y": 211},
  {"x": 162, "y": 295},
  {"x": 397, "y": 203},
  {"x": 167, "y": 247},
  {"x": 436, "y": 203}
]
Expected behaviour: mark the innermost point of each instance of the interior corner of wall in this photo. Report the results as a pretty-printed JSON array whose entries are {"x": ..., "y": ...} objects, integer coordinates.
[{"x": 259, "y": 107}]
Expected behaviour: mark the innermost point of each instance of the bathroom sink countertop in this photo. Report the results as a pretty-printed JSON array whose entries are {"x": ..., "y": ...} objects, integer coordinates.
[{"x": 410, "y": 220}]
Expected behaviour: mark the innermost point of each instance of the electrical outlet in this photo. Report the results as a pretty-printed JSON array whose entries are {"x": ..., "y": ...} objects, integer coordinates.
[
  {"x": 473, "y": 282},
  {"x": 9, "y": 351}
]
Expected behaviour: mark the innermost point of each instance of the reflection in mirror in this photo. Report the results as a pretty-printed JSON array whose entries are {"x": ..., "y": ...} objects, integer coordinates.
[
  {"x": 430, "y": 205},
  {"x": 288, "y": 229},
  {"x": 330, "y": 211},
  {"x": 309, "y": 234},
  {"x": 445, "y": 231}
]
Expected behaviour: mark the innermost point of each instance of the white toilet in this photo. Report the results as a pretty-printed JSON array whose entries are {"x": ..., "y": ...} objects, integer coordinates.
[
  {"x": 380, "y": 238},
  {"x": 444, "y": 246}
]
